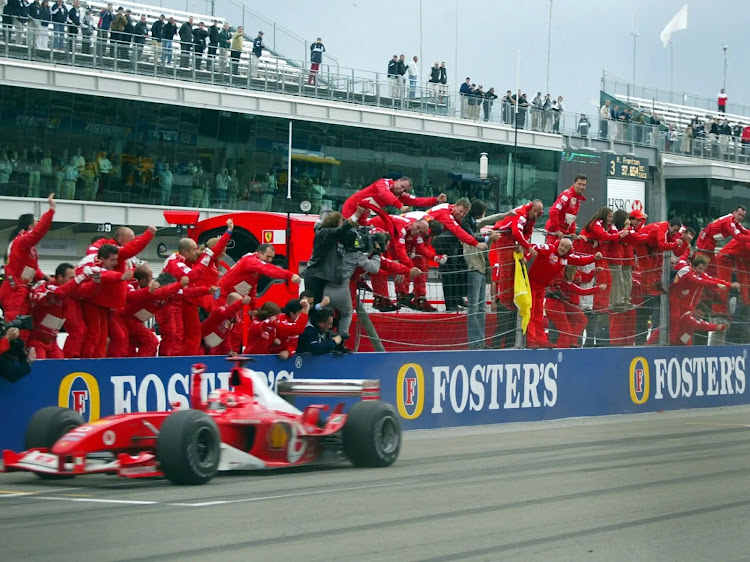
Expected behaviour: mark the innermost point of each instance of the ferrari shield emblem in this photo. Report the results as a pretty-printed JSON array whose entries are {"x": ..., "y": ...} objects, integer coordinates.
[{"x": 268, "y": 236}]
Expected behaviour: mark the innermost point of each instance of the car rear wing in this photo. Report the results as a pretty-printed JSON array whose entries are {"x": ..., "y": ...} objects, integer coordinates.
[{"x": 366, "y": 389}]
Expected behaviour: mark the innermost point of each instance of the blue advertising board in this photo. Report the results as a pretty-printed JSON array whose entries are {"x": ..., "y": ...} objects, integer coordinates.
[{"x": 429, "y": 389}]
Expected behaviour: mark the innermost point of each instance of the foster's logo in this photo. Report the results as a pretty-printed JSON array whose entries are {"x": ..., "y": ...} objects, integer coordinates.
[
  {"x": 80, "y": 392},
  {"x": 410, "y": 391},
  {"x": 640, "y": 380}
]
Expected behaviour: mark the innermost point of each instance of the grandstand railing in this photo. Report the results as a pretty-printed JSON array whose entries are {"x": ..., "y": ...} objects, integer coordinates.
[{"x": 623, "y": 89}]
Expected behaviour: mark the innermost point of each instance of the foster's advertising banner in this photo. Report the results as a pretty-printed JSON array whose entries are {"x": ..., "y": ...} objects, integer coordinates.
[{"x": 429, "y": 389}]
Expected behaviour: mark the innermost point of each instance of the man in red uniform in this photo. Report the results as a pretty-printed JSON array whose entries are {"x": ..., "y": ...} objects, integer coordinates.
[
  {"x": 179, "y": 265},
  {"x": 97, "y": 307},
  {"x": 548, "y": 265},
  {"x": 47, "y": 307},
  {"x": 387, "y": 193},
  {"x": 562, "y": 215},
  {"x": 734, "y": 257},
  {"x": 292, "y": 322},
  {"x": 145, "y": 297},
  {"x": 724, "y": 227},
  {"x": 244, "y": 276},
  {"x": 689, "y": 323},
  {"x": 217, "y": 329},
  {"x": 22, "y": 269},
  {"x": 115, "y": 297}
]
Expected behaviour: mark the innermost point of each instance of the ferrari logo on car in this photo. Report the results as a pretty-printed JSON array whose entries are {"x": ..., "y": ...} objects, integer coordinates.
[{"x": 268, "y": 236}]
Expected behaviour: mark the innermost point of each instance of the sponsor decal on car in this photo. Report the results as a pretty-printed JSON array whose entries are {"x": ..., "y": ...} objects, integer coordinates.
[{"x": 278, "y": 436}]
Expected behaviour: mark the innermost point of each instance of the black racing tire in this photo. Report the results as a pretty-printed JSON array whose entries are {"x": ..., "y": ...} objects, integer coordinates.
[
  {"x": 372, "y": 434},
  {"x": 189, "y": 447},
  {"x": 46, "y": 427}
]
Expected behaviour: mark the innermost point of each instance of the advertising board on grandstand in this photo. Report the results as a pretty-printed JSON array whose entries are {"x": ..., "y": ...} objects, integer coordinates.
[{"x": 428, "y": 389}]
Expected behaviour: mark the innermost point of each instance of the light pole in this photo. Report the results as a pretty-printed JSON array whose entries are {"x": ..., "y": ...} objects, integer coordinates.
[
  {"x": 634, "y": 33},
  {"x": 549, "y": 41},
  {"x": 725, "y": 67}
]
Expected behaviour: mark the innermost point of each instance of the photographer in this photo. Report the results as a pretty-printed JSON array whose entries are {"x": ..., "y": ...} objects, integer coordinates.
[
  {"x": 339, "y": 292},
  {"x": 15, "y": 362},
  {"x": 328, "y": 251},
  {"x": 318, "y": 338}
]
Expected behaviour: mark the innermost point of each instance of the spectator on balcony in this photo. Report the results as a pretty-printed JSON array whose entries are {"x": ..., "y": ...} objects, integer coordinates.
[
  {"x": 316, "y": 59},
  {"x": 34, "y": 23},
  {"x": 59, "y": 15},
  {"x": 523, "y": 108},
  {"x": 583, "y": 126},
  {"x": 167, "y": 37},
  {"x": 127, "y": 35},
  {"x": 258, "y": 46},
  {"x": 443, "y": 87},
  {"x": 604, "y": 117},
  {"x": 200, "y": 35},
  {"x": 489, "y": 99},
  {"x": 722, "y": 101},
  {"x": 22, "y": 17},
  {"x": 686, "y": 146},
  {"x": 186, "y": 42},
  {"x": 213, "y": 44},
  {"x": 393, "y": 75},
  {"x": 413, "y": 72},
  {"x": 433, "y": 84},
  {"x": 88, "y": 29},
  {"x": 225, "y": 42},
  {"x": 74, "y": 23},
  {"x": 471, "y": 110},
  {"x": 464, "y": 92},
  {"x": 508, "y": 102},
  {"x": 547, "y": 114},
  {"x": 536, "y": 111},
  {"x": 557, "y": 110},
  {"x": 166, "y": 180},
  {"x": 116, "y": 32},
  {"x": 157, "y": 29},
  {"x": 106, "y": 18},
  {"x": 238, "y": 41},
  {"x": 401, "y": 81},
  {"x": 140, "y": 33}
]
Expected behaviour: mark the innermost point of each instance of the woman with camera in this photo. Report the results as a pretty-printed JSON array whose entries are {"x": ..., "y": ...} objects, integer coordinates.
[{"x": 328, "y": 251}]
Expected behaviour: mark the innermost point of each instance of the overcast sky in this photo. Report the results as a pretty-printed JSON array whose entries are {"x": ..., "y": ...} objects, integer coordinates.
[{"x": 588, "y": 36}]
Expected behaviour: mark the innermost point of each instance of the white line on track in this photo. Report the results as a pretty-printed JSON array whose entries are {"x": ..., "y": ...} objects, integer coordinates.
[
  {"x": 96, "y": 500},
  {"x": 4, "y": 494},
  {"x": 282, "y": 496}
]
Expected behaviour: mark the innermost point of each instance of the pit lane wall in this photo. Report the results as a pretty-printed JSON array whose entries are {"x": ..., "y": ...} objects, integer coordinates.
[{"x": 429, "y": 389}]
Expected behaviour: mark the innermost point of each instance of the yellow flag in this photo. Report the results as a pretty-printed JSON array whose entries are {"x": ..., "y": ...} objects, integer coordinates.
[{"x": 522, "y": 292}]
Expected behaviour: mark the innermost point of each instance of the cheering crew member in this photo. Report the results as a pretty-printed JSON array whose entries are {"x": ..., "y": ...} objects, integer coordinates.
[
  {"x": 724, "y": 227},
  {"x": 262, "y": 330},
  {"x": 292, "y": 323},
  {"x": 115, "y": 297},
  {"x": 734, "y": 257},
  {"x": 685, "y": 292},
  {"x": 211, "y": 258},
  {"x": 218, "y": 330},
  {"x": 563, "y": 306},
  {"x": 547, "y": 266},
  {"x": 22, "y": 269},
  {"x": 145, "y": 297},
  {"x": 406, "y": 234},
  {"x": 244, "y": 276},
  {"x": 689, "y": 323},
  {"x": 97, "y": 307},
  {"x": 47, "y": 306},
  {"x": 388, "y": 193},
  {"x": 562, "y": 215},
  {"x": 515, "y": 235}
]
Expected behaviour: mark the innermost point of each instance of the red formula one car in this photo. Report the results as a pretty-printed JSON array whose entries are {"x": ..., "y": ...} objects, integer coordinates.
[{"x": 247, "y": 428}]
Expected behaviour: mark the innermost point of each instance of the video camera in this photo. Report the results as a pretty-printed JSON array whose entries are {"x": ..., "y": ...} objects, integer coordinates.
[
  {"x": 23, "y": 322},
  {"x": 14, "y": 363},
  {"x": 360, "y": 240}
]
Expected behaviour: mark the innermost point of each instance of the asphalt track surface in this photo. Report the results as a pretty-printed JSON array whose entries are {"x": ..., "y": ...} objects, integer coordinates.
[{"x": 654, "y": 487}]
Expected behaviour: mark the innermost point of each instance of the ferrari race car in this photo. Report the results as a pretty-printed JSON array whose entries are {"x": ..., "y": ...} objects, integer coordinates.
[{"x": 247, "y": 428}]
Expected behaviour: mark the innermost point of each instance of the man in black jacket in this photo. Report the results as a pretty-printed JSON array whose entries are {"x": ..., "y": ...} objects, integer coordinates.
[
  {"x": 167, "y": 36},
  {"x": 59, "y": 15},
  {"x": 318, "y": 337},
  {"x": 74, "y": 24},
  {"x": 199, "y": 37},
  {"x": 140, "y": 32},
  {"x": 186, "y": 42},
  {"x": 35, "y": 23},
  {"x": 156, "y": 32},
  {"x": 213, "y": 43},
  {"x": 258, "y": 47},
  {"x": 393, "y": 75},
  {"x": 316, "y": 59}
]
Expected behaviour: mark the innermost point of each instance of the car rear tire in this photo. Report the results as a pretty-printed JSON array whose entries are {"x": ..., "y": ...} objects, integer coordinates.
[
  {"x": 372, "y": 434},
  {"x": 189, "y": 447},
  {"x": 46, "y": 427}
]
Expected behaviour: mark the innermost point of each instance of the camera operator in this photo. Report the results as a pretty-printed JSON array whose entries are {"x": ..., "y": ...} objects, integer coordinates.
[
  {"x": 328, "y": 251},
  {"x": 339, "y": 292},
  {"x": 318, "y": 337},
  {"x": 15, "y": 361}
]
